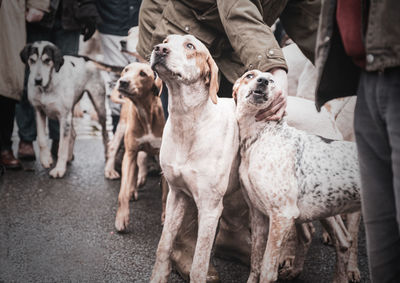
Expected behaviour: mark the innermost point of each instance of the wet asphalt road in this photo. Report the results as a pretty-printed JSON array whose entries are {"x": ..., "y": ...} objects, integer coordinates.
[{"x": 54, "y": 230}]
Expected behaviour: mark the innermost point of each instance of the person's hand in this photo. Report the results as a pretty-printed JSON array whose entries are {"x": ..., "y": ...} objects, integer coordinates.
[
  {"x": 276, "y": 110},
  {"x": 33, "y": 15}
]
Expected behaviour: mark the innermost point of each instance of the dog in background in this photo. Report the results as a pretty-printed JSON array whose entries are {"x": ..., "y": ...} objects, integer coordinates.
[
  {"x": 141, "y": 125},
  {"x": 289, "y": 177},
  {"x": 55, "y": 84}
]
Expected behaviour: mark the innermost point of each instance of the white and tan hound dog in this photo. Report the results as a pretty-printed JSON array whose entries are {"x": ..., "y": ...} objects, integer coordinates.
[
  {"x": 289, "y": 177},
  {"x": 55, "y": 84},
  {"x": 199, "y": 148}
]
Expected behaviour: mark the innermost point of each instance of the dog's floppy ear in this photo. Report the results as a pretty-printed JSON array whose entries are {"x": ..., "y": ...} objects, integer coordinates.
[
  {"x": 157, "y": 85},
  {"x": 213, "y": 79},
  {"x": 25, "y": 53},
  {"x": 56, "y": 55},
  {"x": 236, "y": 88}
]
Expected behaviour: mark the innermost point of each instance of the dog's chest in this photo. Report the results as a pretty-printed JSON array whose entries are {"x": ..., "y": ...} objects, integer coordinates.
[
  {"x": 149, "y": 143},
  {"x": 47, "y": 103}
]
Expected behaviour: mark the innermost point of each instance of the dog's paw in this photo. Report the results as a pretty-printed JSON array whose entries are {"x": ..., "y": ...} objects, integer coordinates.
[
  {"x": 121, "y": 221},
  {"x": 57, "y": 172},
  {"x": 45, "y": 159},
  {"x": 287, "y": 270},
  {"x": 354, "y": 275},
  {"x": 135, "y": 195},
  {"x": 111, "y": 174},
  {"x": 326, "y": 239},
  {"x": 141, "y": 180}
]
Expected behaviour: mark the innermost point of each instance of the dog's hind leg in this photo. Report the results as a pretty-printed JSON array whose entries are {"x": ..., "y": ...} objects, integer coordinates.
[
  {"x": 342, "y": 252},
  {"x": 279, "y": 229},
  {"x": 176, "y": 206},
  {"x": 353, "y": 226},
  {"x": 71, "y": 144},
  {"x": 98, "y": 100}
]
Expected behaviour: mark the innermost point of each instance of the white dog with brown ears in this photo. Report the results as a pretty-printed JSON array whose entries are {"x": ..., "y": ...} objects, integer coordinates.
[
  {"x": 199, "y": 148},
  {"x": 290, "y": 177}
]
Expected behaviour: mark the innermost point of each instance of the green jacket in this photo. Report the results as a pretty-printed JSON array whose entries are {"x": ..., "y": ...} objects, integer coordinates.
[
  {"x": 338, "y": 76},
  {"x": 237, "y": 32}
]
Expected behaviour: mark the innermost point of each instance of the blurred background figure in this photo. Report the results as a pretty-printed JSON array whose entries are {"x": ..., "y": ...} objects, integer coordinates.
[
  {"x": 358, "y": 52},
  {"x": 62, "y": 25},
  {"x": 117, "y": 17},
  {"x": 12, "y": 40}
]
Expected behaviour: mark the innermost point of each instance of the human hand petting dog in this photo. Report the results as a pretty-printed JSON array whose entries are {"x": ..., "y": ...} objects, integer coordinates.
[
  {"x": 276, "y": 110},
  {"x": 33, "y": 15}
]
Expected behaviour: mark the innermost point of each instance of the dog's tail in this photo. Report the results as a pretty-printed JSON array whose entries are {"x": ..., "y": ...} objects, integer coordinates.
[{"x": 102, "y": 66}]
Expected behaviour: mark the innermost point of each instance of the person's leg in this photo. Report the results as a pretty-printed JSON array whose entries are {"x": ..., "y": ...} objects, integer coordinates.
[
  {"x": 374, "y": 137},
  {"x": 110, "y": 45},
  {"x": 7, "y": 114}
]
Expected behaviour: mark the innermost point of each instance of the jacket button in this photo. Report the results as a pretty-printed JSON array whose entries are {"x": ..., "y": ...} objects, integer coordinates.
[
  {"x": 130, "y": 7},
  {"x": 370, "y": 58},
  {"x": 271, "y": 52},
  {"x": 250, "y": 66},
  {"x": 187, "y": 28},
  {"x": 259, "y": 57},
  {"x": 326, "y": 39}
]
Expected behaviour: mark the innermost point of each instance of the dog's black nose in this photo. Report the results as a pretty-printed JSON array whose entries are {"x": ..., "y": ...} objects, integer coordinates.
[
  {"x": 38, "y": 81},
  {"x": 161, "y": 49},
  {"x": 123, "y": 44},
  {"x": 123, "y": 84},
  {"x": 262, "y": 80}
]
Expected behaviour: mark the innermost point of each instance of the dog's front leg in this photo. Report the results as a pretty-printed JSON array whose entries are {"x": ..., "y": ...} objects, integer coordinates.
[
  {"x": 45, "y": 155},
  {"x": 128, "y": 185},
  {"x": 209, "y": 214},
  {"x": 113, "y": 146},
  {"x": 279, "y": 228},
  {"x": 259, "y": 233},
  {"x": 63, "y": 149},
  {"x": 164, "y": 190},
  {"x": 176, "y": 206}
]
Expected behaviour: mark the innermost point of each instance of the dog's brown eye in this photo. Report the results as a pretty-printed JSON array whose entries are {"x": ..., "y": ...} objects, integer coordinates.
[
  {"x": 250, "y": 76},
  {"x": 32, "y": 61},
  {"x": 46, "y": 61},
  {"x": 142, "y": 74},
  {"x": 190, "y": 46},
  {"x": 271, "y": 81}
]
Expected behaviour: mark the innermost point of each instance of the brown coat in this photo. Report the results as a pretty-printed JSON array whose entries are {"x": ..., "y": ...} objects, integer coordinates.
[
  {"x": 236, "y": 32},
  {"x": 12, "y": 41}
]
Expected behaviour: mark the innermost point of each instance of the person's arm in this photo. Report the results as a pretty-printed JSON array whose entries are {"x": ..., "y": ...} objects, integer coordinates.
[
  {"x": 36, "y": 10},
  {"x": 254, "y": 42}
]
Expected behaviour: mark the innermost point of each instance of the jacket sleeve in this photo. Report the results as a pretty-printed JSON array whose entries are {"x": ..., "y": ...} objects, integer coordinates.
[
  {"x": 300, "y": 19},
  {"x": 43, "y": 5},
  {"x": 251, "y": 38}
]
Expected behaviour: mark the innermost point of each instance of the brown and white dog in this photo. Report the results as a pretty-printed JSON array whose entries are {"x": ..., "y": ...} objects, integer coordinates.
[
  {"x": 143, "y": 120},
  {"x": 289, "y": 177}
]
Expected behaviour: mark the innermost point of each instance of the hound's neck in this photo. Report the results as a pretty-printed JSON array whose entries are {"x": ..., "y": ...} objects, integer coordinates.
[
  {"x": 250, "y": 130},
  {"x": 188, "y": 105},
  {"x": 145, "y": 111}
]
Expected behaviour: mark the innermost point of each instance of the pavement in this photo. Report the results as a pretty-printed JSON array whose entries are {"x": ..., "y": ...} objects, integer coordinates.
[{"x": 57, "y": 230}]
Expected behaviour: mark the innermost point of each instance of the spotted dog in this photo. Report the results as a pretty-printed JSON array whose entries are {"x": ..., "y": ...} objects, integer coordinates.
[
  {"x": 290, "y": 177},
  {"x": 55, "y": 84}
]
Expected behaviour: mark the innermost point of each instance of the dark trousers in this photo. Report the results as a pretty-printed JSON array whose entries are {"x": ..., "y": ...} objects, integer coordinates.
[
  {"x": 68, "y": 42},
  {"x": 7, "y": 113},
  {"x": 377, "y": 128}
]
